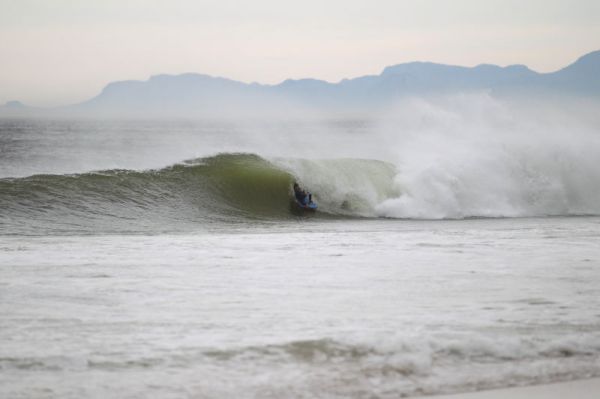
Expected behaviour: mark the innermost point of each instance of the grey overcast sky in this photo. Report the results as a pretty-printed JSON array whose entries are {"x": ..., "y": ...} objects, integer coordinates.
[{"x": 55, "y": 52}]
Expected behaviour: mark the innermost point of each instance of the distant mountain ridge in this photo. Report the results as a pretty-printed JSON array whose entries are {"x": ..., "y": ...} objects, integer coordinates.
[{"x": 202, "y": 94}]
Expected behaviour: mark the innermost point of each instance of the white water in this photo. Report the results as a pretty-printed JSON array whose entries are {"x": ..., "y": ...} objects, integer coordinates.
[
  {"x": 307, "y": 309},
  {"x": 481, "y": 157}
]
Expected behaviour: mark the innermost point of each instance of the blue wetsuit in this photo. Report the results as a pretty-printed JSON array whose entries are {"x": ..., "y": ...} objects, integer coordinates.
[{"x": 301, "y": 196}]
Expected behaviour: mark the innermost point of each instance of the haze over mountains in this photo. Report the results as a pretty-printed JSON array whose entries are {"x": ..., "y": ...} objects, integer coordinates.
[{"x": 200, "y": 95}]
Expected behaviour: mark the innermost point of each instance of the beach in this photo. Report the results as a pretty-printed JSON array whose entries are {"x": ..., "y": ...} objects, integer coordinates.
[{"x": 584, "y": 389}]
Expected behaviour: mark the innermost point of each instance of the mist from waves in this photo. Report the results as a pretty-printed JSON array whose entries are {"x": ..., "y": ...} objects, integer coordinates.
[
  {"x": 452, "y": 157},
  {"x": 480, "y": 157}
]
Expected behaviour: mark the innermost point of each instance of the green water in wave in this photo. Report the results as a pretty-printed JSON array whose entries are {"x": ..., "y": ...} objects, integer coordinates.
[{"x": 220, "y": 189}]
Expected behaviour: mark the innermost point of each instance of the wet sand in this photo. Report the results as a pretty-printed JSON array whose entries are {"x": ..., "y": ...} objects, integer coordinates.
[{"x": 581, "y": 389}]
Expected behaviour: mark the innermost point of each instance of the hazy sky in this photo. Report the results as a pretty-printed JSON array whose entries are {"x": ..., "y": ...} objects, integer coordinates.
[{"x": 54, "y": 52}]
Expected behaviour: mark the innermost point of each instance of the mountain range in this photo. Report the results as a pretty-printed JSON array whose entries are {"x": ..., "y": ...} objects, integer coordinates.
[{"x": 197, "y": 94}]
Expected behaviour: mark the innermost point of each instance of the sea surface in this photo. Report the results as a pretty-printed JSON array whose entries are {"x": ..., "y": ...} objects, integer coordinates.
[{"x": 451, "y": 252}]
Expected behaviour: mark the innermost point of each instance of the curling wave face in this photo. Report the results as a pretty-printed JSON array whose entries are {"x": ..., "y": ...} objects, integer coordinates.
[{"x": 226, "y": 188}]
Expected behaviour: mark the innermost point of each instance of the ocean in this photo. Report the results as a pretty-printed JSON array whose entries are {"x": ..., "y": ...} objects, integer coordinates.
[{"x": 452, "y": 251}]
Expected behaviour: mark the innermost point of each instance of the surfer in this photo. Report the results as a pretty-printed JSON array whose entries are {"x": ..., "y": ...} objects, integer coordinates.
[{"x": 302, "y": 196}]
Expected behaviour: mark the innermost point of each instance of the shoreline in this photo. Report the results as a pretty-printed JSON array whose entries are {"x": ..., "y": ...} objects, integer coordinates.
[{"x": 580, "y": 389}]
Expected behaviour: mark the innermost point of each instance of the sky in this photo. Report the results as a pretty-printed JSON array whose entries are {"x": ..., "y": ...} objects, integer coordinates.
[{"x": 58, "y": 52}]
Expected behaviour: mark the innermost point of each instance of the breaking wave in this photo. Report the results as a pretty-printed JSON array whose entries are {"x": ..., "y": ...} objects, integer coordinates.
[
  {"x": 225, "y": 188},
  {"x": 231, "y": 188}
]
